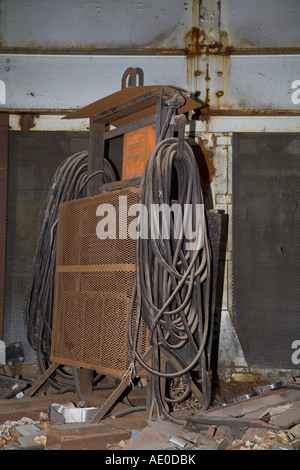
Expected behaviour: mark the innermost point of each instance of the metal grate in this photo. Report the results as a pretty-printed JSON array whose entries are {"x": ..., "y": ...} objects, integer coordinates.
[
  {"x": 266, "y": 261},
  {"x": 33, "y": 159},
  {"x": 93, "y": 288}
]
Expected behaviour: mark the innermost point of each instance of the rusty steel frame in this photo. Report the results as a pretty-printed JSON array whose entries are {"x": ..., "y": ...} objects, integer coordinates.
[
  {"x": 97, "y": 137},
  {"x": 98, "y": 134}
]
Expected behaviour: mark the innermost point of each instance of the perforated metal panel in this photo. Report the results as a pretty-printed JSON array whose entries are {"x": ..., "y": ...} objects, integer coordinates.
[
  {"x": 33, "y": 159},
  {"x": 93, "y": 288},
  {"x": 266, "y": 240}
]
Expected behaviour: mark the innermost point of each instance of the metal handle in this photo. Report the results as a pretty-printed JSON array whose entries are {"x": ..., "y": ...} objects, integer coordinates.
[{"x": 132, "y": 72}]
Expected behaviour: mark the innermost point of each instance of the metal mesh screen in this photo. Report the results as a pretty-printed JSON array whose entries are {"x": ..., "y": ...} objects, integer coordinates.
[
  {"x": 93, "y": 288},
  {"x": 33, "y": 159},
  {"x": 266, "y": 239}
]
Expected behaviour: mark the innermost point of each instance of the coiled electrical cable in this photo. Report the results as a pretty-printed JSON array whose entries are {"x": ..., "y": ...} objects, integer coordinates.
[
  {"x": 172, "y": 290},
  {"x": 173, "y": 277},
  {"x": 69, "y": 182}
]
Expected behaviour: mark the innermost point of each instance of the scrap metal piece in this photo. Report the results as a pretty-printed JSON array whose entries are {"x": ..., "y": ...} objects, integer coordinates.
[
  {"x": 263, "y": 389},
  {"x": 214, "y": 420},
  {"x": 180, "y": 442},
  {"x": 69, "y": 414},
  {"x": 246, "y": 396},
  {"x": 2, "y": 352},
  {"x": 269, "y": 388}
]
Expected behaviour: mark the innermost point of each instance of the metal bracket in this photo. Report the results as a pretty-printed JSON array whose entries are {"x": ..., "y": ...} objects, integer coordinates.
[{"x": 129, "y": 72}]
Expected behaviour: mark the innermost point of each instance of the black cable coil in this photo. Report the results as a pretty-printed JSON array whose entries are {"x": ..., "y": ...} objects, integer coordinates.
[
  {"x": 69, "y": 182},
  {"x": 173, "y": 281}
]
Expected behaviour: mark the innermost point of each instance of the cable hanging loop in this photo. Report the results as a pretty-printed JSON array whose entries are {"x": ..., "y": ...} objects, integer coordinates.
[{"x": 165, "y": 260}]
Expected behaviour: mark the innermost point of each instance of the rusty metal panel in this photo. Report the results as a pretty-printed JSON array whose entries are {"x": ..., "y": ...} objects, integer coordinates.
[
  {"x": 228, "y": 53},
  {"x": 258, "y": 82},
  {"x": 93, "y": 288},
  {"x": 254, "y": 82},
  {"x": 103, "y": 25},
  {"x": 64, "y": 83},
  {"x": 144, "y": 27},
  {"x": 245, "y": 83},
  {"x": 138, "y": 146},
  {"x": 266, "y": 237},
  {"x": 272, "y": 24}
]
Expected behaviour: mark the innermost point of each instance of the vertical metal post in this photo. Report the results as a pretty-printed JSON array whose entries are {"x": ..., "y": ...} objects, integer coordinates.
[
  {"x": 4, "y": 123},
  {"x": 96, "y": 156},
  {"x": 95, "y": 163},
  {"x": 161, "y": 115},
  {"x": 85, "y": 378}
]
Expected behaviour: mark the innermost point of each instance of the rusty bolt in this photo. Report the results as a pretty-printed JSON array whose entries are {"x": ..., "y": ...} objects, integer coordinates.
[
  {"x": 219, "y": 93},
  {"x": 197, "y": 73}
]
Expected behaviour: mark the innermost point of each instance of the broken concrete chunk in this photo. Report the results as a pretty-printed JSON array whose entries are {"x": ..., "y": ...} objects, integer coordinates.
[
  {"x": 38, "y": 439},
  {"x": 27, "y": 429}
]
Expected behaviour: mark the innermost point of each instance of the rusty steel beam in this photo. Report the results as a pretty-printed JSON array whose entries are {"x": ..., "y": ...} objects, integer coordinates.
[
  {"x": 79, "y": 436},
  {"x": 4, "y": 123},
  {"x": 114, "y": 397},
  {"x": 14, "y": 409},
  {"x": 42, "y": 379}
]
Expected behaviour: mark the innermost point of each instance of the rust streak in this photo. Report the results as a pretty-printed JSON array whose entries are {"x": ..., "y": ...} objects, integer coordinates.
[{"x": 207, "y": 169}]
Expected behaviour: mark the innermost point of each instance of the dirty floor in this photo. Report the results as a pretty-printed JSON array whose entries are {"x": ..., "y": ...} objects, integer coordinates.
[{"x": 238, "y": 420}]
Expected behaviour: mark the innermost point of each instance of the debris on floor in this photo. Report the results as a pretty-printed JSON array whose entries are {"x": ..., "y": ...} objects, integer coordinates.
[
  {"x": 269, "y": 420},
  {"x": 253, "y": 424},
  {"x": 24, "y": 433}
]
